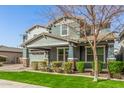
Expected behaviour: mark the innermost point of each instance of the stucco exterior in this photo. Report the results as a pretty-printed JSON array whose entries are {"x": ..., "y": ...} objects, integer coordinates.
[
  {"x": 12, "y": 54},
  {"x": 12, "y": 57}
]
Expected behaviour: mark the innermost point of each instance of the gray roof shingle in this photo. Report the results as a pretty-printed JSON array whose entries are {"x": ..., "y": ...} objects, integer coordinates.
[{"x": 9, "y": 49}]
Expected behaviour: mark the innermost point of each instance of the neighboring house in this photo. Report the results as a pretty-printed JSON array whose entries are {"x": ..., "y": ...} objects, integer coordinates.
[
  {"x": 12, "y": 54},
  {"x": 122, "y": 45},
  {"x": 62, "y": 41}
]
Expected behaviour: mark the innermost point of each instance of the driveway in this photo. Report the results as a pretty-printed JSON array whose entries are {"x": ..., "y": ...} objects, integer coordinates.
[
  {"x": 14, "y": 67},
  {"x": 12, "y": 84}
]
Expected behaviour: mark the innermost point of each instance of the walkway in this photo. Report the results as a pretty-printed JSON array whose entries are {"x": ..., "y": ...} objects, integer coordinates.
[
  {"x": 14, "y": 67},
  {"x": 13, "y": 84}
]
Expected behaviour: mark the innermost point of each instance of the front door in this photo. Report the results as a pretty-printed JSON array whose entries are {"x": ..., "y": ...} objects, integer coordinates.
[{"x": 62, "y": 54}]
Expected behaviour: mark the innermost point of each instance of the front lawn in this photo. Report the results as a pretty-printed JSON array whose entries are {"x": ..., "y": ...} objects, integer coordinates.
[{"x": 59, "y": 81}]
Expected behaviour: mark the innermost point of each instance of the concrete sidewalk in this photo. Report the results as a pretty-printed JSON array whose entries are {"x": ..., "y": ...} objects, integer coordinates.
[
  {"x": 14, "y": 67},
  {"x": 13, "y": 84}
]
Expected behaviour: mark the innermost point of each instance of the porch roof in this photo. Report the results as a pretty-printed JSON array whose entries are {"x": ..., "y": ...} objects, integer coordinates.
[
  {"x": 101, "y": 37},
  {"x": 44, "y": 35}
]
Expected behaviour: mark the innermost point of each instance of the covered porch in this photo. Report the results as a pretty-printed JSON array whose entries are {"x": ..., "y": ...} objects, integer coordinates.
[{"x": 49, "y": 48}]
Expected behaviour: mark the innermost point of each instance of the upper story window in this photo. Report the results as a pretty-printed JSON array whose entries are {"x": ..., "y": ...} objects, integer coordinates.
[{"x": 64, "y": 30}]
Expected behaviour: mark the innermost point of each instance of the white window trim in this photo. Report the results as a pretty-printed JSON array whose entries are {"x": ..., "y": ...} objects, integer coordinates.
[
  {"x": 97, "y": 46},
  {"x": 61, "y": 30},
  {"x": 58, "y": 52}
]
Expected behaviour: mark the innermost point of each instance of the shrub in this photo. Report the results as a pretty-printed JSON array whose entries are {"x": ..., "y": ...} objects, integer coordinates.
[
  {"x": 100, "y": 66},
  {"x": 115, "y": 67},
  {"x": 42, "y": 65},
  {"x": 34, "y": 65},
  {"x": 57, "y": 66},
  {"x": 80, "y": 66},
  {"x": 68, "y": 67}
]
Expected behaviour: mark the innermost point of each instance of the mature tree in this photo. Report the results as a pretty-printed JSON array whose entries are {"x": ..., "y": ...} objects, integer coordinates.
[{"x": 94, "y": 16}]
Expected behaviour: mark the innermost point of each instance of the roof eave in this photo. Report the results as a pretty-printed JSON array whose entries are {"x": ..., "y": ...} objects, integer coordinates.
[{"x": 49, "y": 35}]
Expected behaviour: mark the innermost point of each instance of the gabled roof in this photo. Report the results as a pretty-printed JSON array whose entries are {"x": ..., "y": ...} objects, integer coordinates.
[
  {"x": 101, "y": 37},
  {"x": 49, "y": 35},
  {"x": 62, "y": 17},
  {"x": 9, "y": 49},
  {"x": 35, "y": 27}
]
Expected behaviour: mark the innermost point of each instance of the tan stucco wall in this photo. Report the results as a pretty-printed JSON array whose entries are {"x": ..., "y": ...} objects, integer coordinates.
[{"x": 12, "y": 57}]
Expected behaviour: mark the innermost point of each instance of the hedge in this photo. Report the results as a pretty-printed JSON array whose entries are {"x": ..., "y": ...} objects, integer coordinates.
[
  {"x": 57, "y": 66},
  {"x": 68, "y": 67},
  {"x": 116, "y": 67},
  {"x": 80, "y": 66},
  {"x": 34, "y": 65},
  {"x": 42, "y": 65}
]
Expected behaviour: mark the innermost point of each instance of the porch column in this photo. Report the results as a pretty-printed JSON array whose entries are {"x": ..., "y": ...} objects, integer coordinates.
[
  {"x": 25, "y": 58},
  {"x": 111, "y": 52},
  {"x": 71, "y": 56},
  {"x": 49, "y": 59},
  {"x": 110, "y": 57},
  {"x": 71, "y": 53}
]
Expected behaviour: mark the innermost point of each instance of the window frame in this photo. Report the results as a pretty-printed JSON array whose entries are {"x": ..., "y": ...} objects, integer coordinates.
[
  {"x": 64, "y": 54},
  {"x": 104, "y": 54},
  {"x": 62, "y": 30}
]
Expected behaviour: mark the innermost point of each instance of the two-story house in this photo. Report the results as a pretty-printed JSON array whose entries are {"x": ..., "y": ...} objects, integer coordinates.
[{"x": 62, "y": 40}]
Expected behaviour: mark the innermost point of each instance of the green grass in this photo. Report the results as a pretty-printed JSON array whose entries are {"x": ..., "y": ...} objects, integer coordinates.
[{"x": 59, "y": 81}]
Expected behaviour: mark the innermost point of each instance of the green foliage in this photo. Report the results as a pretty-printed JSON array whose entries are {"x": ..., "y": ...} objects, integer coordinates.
[
  {"x": 68, "y": 67},
  {"x": 59, "y": 81},
  {"x": 42, "y": 65},
  {"x": 57, "y": 66},
  {"x": 116, "y": 67},
  {"x": 34, "y": 65},
  {"x": 2, "y": 59},
  {"x": 80, "y": 66}
]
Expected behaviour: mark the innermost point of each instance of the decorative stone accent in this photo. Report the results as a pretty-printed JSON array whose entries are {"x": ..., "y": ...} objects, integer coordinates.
[
  {"x": 25, "y": 62},
  {"x": 71, "y": 56}
]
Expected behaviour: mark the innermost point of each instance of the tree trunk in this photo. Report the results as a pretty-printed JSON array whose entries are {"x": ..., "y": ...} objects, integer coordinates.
[{"x": 95, "y": 61}]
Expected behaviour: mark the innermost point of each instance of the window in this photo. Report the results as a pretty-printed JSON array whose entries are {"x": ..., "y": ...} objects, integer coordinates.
[
  {"x": 89, "y": 55},
  {"x": 62, "y": 54},
  {"x": 100, "y": 53},
  {"x": 64, "y": 30}
]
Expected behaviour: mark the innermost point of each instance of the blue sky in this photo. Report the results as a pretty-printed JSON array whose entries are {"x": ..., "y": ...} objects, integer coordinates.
[{"x": 14, "y": 20}]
